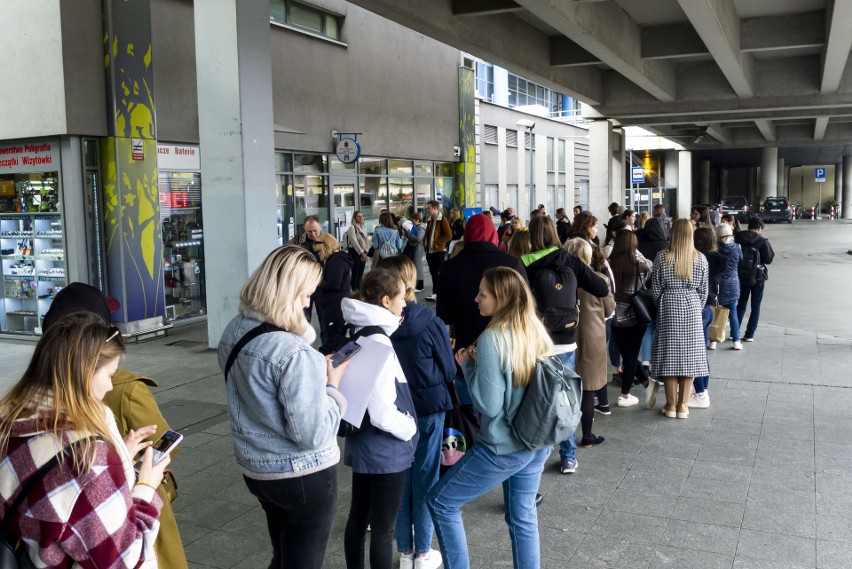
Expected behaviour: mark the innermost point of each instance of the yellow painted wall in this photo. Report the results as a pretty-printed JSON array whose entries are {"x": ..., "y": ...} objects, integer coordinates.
[{"x": 803, "y": 188}]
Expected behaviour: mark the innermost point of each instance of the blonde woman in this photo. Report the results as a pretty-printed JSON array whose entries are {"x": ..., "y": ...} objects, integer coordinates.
[
  {"x": 643, "y": 217},
  {"x": 679, "y": 285},
  {"x": 591, "y": 339},
  {"x": 519, "y": 243},
  {"x": 91, "y": 511},
  {"x": 358, "y": 243},
  {"x": 337, "y": 268},
  {"x": 497, "y": 370},
  {"x": 285, "y": 407}
]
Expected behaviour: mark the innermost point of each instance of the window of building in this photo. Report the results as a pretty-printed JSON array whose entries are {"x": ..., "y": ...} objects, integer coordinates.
[
  {"x": 561, "y": 156},
  {"x": 512, "y": 138},
  {"x": 549, "y": 154},
  {"x": 490, "y": 134},
  {"x": 305, "y": 17},
  {"x": 484, "y": 81},
  {"x": 529, "y": 141}
]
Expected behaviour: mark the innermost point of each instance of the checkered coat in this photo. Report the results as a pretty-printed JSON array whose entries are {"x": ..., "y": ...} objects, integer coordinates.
[
  {"x": 97, "y": 518},
  {"x": 679, "y": 349}
]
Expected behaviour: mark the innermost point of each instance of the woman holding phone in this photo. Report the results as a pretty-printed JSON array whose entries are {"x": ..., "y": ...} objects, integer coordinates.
[
  {"x": 111, "y": 516},
  {"x": 497, "y": 371},
  {"x": 285, "y": 407}
]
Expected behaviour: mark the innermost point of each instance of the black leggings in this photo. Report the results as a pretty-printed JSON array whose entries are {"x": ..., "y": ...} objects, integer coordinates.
[
  {"x": 629, "y": 345},
  {"x": 375, "y": 501},
  {"x": 587, "y": 408}
]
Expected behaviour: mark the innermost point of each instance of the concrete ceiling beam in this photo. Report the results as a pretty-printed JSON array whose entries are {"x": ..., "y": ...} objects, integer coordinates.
[
  {"x": 566, "y": 53},
  {"x": 767, "y": 129},
  {"x": 719, "y": 132},
  {"x": 484, "y": 7},
  {"x": 605, "y": 30},
  {"x": 782, "y": 32},
  {"x": 838, "y": 44},
  {"x": 820, "y": 124},
  {"x": 670, "y": 41},
  {"x": 717, "y": 23},
  {"x": 501, "y": 39}
]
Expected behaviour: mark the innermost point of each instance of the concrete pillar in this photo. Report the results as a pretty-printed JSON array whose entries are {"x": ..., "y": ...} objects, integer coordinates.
[
  {"x": 571, "y": 199},
  {"x": 540, "y": 171},
  {"x": 618, "y": 163},
  {"x": 838, "y": 184},
  {"x": 723, "y": 186},
  {"x": 235, "y": 121},
  {"x": 464, "y": 189},
  {"x": 671, "y": 176},
  {"x": 600, "y": 171},
  {"x": 703, "y": 182},
  {"x": 684, "y": 184},
  {"x": 768, "y": 176},
  {"x": 751, "y": 188},
  {"x": 846, "y": 210},
  {"x": 782, "y": 178}
]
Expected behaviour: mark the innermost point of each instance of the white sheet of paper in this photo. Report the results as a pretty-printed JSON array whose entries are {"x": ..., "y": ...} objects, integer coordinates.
[{"x": 360, "y": 377}]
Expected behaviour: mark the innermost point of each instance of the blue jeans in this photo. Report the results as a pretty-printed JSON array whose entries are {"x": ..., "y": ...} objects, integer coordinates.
[
  {"x": 419, "y": 479},
  {"x": 734, "y": 320},
  {"x": 568, "y": 448},
  {"x": 700, "y": 383},
  {"x": 648, "y": 342},
  {"x": 756, "y": 292},
  {"x": 473, "y": 475}
]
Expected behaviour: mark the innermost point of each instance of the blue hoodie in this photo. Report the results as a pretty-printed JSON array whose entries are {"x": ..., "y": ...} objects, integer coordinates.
[{"x": 423, "y": 348}]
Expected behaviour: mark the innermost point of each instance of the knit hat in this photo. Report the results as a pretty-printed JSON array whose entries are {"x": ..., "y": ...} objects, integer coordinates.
[
  {"x": 480, "y": 229},
  {"x": 80, "y": 297}
]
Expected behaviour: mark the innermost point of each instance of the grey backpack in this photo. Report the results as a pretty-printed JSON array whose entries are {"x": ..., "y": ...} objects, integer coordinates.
[{"x": 550, "y": 409}]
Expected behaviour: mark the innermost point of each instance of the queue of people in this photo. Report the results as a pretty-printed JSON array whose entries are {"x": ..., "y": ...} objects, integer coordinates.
[{"x": 511, "y": 296}]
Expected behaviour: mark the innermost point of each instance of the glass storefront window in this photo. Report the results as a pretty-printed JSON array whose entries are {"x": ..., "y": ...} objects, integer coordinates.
[
  {"x": 183, "y": 247},
  {"x": 284, "y": 197},
  {"x": 309, "y": 163},
  {"x": 402, "y": 167},
  {"x": 373, "y": 166},
  {"x": 336, "y": 165},
  {"x": 401, "y": 192},
  {"x": 310, "y": 197},
  {"x": 422, "y": 168},
  {"x": 374, "y": 191},
  {"x": 32, "y": 249},
  {"x": 283, "y": 162},
  {"x": 445, "y": 169},
  {"x": 444, "y": 191},
  {"x": 423, "y": 193}
]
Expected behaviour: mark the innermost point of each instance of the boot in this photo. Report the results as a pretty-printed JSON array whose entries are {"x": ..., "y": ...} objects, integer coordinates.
[
  {"x": 670, "y": 408},
  {"x": 684, "y": 392}
]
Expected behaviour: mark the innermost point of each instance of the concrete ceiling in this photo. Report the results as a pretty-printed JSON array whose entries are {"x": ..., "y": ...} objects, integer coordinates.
[{"x": 742, "y": 73}]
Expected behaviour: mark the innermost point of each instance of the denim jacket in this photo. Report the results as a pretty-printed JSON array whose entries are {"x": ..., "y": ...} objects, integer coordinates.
[{"x": 284, "y": 419}]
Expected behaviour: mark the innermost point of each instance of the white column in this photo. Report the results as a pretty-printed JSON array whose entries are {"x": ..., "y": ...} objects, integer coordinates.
[
  {"x": 235, "y": 120},
  {"x": 768, "y": 174},
  {"x": 618, "y": 163},
  {"x": 523, "y": 177},
  {"x": 502, "y": 190},
  {"x": 600, "y": 171},
  {"x": 571, "y": 199},
  {"x": 846, "y": 210},
  {"x": 782, "y": 178},
  {"x": 540, "y": 170},
  {"x": 684, "y": 184},
  {"x": 838, "y": 184}
]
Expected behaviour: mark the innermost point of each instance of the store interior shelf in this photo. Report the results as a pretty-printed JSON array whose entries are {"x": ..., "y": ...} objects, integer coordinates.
[
  {"x": 19, "y": 277},
  {"x": 29, "y": 313},
  {"x": 52, "y": 278},
  {"x": 16, "y": 235},
  {"x": 19, "y": 257}
]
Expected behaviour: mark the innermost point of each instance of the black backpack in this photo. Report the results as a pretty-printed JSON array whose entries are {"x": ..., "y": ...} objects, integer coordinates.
[
  {"x": 750, "y": 268},
  {"x": 555, "y": 291}
]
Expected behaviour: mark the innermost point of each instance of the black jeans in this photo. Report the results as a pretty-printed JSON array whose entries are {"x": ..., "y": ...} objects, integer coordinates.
[
  {"x": 375, "y": 501},
  {"x": 357, "y": 269},
  {"x": 299, "y": 516},
  {"x": 436, "y": 263},
  {"x": 629, "y": 343}
]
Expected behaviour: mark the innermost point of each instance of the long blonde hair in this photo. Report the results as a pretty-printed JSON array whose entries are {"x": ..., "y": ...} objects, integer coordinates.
[
  {"x": 325, "y": 246},
  {"x": 681, "y": 252},
  {"x": 520, "y": 333},
  {"x": 55, "y": 390},
  {"x": 275, "y": 289},
  {"x": 407, "y": 271}
]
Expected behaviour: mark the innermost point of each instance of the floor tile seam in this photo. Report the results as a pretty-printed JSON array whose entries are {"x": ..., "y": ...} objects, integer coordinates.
[
  {"x": 671, "y": 519},
  {"x": 600, "y": 513},
  {"x": 737, "y": 553},
  {"x": 783, "y": 382},
  {"x": 167, "y": 389}
]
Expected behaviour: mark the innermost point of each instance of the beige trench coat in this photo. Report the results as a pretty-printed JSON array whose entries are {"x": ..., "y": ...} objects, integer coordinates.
[{"x": 591, "y": 337}]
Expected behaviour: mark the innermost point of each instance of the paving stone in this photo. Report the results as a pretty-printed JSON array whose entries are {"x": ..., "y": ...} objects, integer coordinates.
[
  {"x": 834, "y": 528},
  {"x": 210, "y": 513},
  {"x": 218, "y": 549},
  {"x": 676, "y": 558},
  {"x": 606, "y": 552},
  {"x": 697, "y": 486},
  {"x": 722, "y": 471},
  {"x": 785, "y": 445},
  {"x": 701, "y": 537},
  {"x": 724, "y": 453},
  {"x": 707, "y": 511},
  {"x": 626, "y": 526},
  {"x": 792, "y": 501},
  {"x": 653, "y": 501},
  {"x": 787, "y": 478},
  {"x": 780, "y": 522},
  {"x": 833, "y": 555},
  {"x": 721, "y": 426},
  {"x": 652, "y": 461},
  {"x": 766, "y": 547}
]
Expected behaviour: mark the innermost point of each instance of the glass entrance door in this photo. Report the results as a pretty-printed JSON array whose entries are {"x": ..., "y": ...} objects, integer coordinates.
[{"x": 343, "y": 196}]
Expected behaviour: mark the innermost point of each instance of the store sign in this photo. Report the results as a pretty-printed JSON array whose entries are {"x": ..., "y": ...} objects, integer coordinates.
[
  {"x": 178, "y": 157},
  {"x": 347, "y": 150},
  {"x": 29, "y": 157},
  {"x": 137, "y": 148}
]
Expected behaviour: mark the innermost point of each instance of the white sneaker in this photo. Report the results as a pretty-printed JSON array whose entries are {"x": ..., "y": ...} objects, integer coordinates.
[
  {"x": 628, "y": 401},
  {"x": 406, "y": 561},
  {"x": 711, "y": 346},
  {"x": 738, "y": 345},
  {"x": 699, "y": 401},
  {"x": 432, "y": 296},
  {"x": 431, "y": 560}
]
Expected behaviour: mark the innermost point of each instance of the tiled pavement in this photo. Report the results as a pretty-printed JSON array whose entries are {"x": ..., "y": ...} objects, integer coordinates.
[{"x": 759, "y": 480}]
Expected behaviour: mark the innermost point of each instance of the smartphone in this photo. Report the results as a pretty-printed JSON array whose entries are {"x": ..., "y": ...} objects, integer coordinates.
[
  {"x": 162, "y": 446},
  {"x": 344, "y": 353}
]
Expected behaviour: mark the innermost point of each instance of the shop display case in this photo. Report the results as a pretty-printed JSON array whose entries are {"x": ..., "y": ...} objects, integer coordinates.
[
  {"x": 183, "y": 250},
  {"x": 32, "y": 264}
]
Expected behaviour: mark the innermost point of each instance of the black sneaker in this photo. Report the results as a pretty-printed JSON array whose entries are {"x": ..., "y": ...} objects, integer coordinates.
[
  {"x": 591, "y": 441},
  {"x": 748, "y": 339},
  {"x": 538, "y": 500},
  {"x": 603, "y": 409}
]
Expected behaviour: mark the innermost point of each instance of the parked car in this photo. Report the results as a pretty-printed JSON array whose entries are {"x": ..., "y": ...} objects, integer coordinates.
[
  {"x": 776, "y": 208},
  {"x": 736, "y": 205}
]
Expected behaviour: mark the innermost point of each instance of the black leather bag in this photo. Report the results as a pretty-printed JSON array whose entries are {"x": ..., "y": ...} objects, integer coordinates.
[{"x": 644, "y": 306}]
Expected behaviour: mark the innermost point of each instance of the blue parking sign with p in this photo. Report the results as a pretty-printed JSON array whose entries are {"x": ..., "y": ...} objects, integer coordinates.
[{"x": 819, "y": 175}]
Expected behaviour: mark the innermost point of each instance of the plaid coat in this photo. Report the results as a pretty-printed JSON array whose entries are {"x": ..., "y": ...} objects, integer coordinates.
[{"x": 97, "y": 518}]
